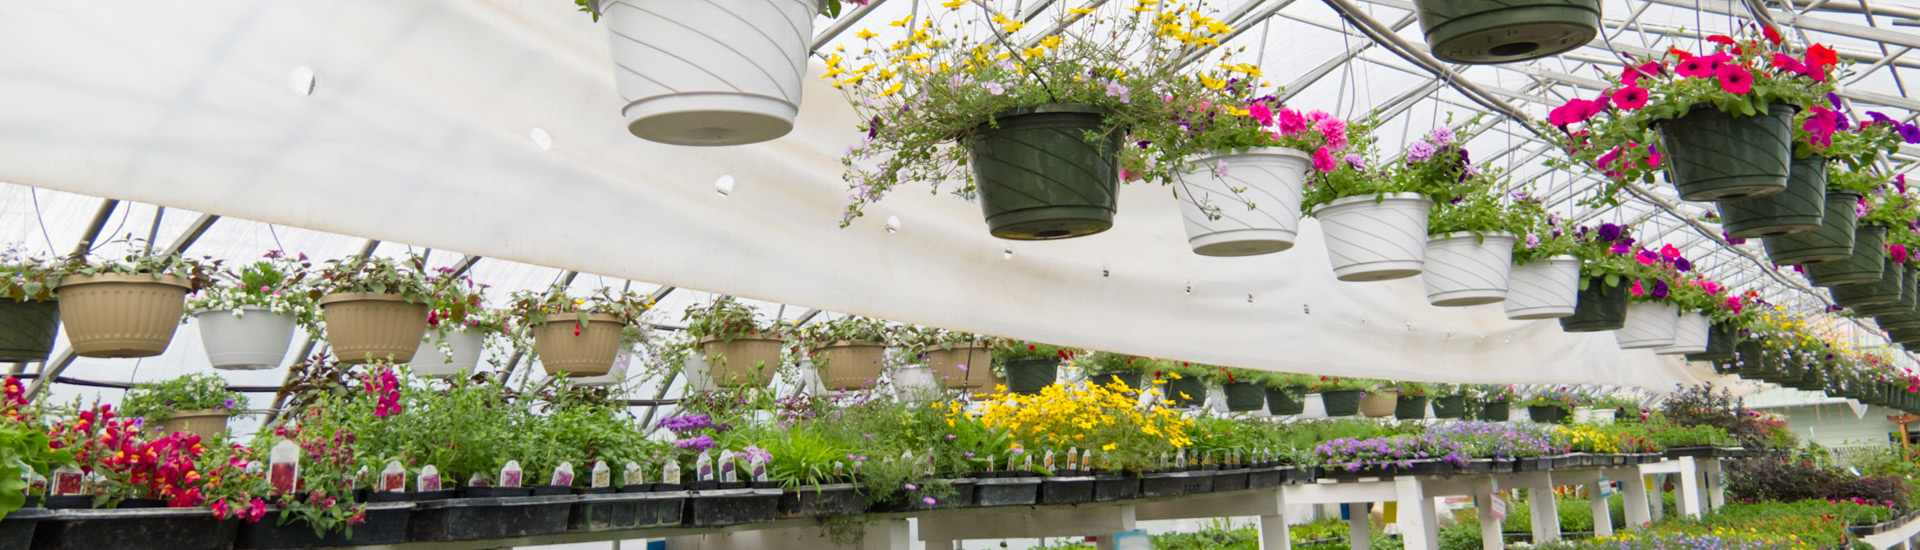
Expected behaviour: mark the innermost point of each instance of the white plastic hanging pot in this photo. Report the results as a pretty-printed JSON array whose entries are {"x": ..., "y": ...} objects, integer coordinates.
[
  {"x": 1689, "y": 334},
  {"x": 1468, "y": 269},
  {"x": 709, "y": 72},
  {"x": 1649, "y": 325},
  {"x": 1263, "y": 217},
  {"x": 256, "y": 339},
  {"x": 1545, "y": 289},
  {"x": 465, "y": 345},
  {"x": 699, "y": 379},
  {"x": 1376, "y": 237},
  {"x": 613, "y": 377}
]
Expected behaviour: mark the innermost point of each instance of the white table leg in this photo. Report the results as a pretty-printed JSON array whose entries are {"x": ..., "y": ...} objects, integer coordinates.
[
  {"x": 1273, "y": 528},
  {"x": 1602, "y": 516},
  {"x": 1689, "y": 487},
  {"x": 1490, "y": 535},
  {"x": 1638, "y": 512},
  {"x": 1358, "y": 532},
  {"x": 1418, "y": 527},
  {"x": 1546, "y": 516},
  {"x": 1716, "y": 490}
]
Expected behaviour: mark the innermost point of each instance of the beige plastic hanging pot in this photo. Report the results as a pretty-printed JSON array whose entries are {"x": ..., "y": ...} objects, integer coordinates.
[
  {"x": 963, "y": 367},
  {"x": 365, "y": 326},
  {"x": 206, "y": 424},
  {"x": 846, "y": 366},
  {"x": 742, "y": 362},
  {"x": 578, "y": 349},
  {"x": 119, "y": 315}
]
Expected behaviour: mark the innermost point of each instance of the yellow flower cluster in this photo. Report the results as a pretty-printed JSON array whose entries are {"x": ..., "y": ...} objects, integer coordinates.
[
  {"x": 1082, "y": 415},
  {"x": 1586, "y": 439}
]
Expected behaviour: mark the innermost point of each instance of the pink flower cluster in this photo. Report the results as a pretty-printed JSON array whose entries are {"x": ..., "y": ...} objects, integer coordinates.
[
  {"x": 1332, "y": 131},
  {"x": 386, "y": 387}
]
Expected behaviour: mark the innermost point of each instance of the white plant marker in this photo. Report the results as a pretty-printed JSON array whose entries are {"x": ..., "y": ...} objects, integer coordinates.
[
  {"x": 670, "y": 472},
  {"x": 393, "y": 479},
  {"x": 562, "y": 475},
  {"x": 511, "y": 475},
  {"x": 758, "y": 465},
  {"x": 703, "y": 468},
  {"x": 68, "y": 481},
  {"x": 728, "y": 469},
  {"x": 429, "y": 479},
  {"x": 478, "y": 480},
  {"x": 633, "y": 476},
  {"x": 283, "y": 467},
  {"x": 602, "y": 475}
]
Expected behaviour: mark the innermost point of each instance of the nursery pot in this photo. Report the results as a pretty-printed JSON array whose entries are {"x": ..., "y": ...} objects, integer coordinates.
[
  {"x": 1031, "y": 375},
  {"x": 1711, "y": 155},
  {"x": 1244, "y": 396},
  {"x": 1451, "y": 406},
  {"x": 1544, "y": 289},
  {"x": 1039, "y": 177},
  {"x": 1649, "y": 325},
  {"x": 1376, "y": 404},
  {"x": 1546, "y": 413},
  {"x": 1280, "y": 403},
  {"x": 1873, "y": 298},
  {"x": 1721, "y": 338},
  {"x": 1865, "y": 265},
  {"x": 1244, "y": 203},
  {"x": 114, "y": 315},
  {"x": 963, "y": 367},
  {"x": 1376, "y": 237},
  {"x": 256, "y": 339},
  {"x": 1186, "y": 391},
  {"x": 850, "y": 365},
  {"x": 1690, "y": 335},
  {"x": 207, "y": 424},
  {"x": 363, "y": 326},
  {"x": 1495, "y": 411},
  {"x": 1468, "y": 269},
  {"x": 27, "y": 329},
  {"x": 135, "y": 529},
  {"x": 714, "y": 72},
  {"x": 1600, "y": 308},
  {"x": 1799, "y": 209},
  {"x": 1130, "y": 379},
  {"x": 1832, "y": 241},
  {"x": 742, "y": 362},
  {"x": 466, "y": 345},
  {"x": 1410, "y": 407},
  {"x": 1504, "y": 31},
  {"x": 1341, "y": 402},
  {"x": 578, "y": 349}
]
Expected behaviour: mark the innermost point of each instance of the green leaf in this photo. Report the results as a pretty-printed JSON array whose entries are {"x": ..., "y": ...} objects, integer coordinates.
[{"x": 1613, "y": 280}]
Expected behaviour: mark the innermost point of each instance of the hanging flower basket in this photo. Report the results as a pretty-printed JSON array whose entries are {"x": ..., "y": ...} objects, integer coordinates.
[
  {"x": 1340, "y": 403},
  {"x": 1256, "y": 196},
  {"x": 1879, "y": 297},
  {"x": 1547, "y": 414},
  {"x": 1547, "y": 289},
  {"x": 742, "y": 362},
  {"x": 578, "y": 349},
  {"x": 1130, "y": 379},
  {"x": 1377, "y": 404},
  {"x": 1799, "y": 209},
  {"x": 1494, "y": 411},
  {"x": 850, "y": 365},
  {"x": 27, "y": 329},
  {"x": 1600, "y": 308},
  {"x": 115, "y": 315},
  {"x": 1649, "y": 325},
  {"x": 1376, "y": 237},
  {"x": 466, "y": 346},
  {"x": 1468, "y": 269},
  {"x": 363, "y": 326},
  {"x": 717, "y": 72},
  {"x": 1244, "y": 396},
  {"x": 1505, "y": 31},
  {"x": 1898, "y": 320},
  {"x": 1866, "y": 265},
  {"x": 1039, "y": 177},
  {"x": 1450, "y": 406},
  {"x": 1712, "y": 155},
  {"x": 963, "y": 367},
  {"x": 256, "y": 339},
  {"x": 1410, "y": 407},
  {"x": 1281, "y": 403},
  {"x": 206, "y": 424},
  {"x": 1690, "y": 335},
  {"x": 1832, "y": 241},
  {"x": 1186, "y": 391},
  {"x": 1721, "y": 338},
  {"x": 1031, "y": 375}
]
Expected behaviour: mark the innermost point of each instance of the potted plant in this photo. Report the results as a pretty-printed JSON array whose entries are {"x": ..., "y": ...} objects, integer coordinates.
[
  {"x": 688, "y": 79},
  {"x": 1449, "y": 400},
  {"x": 739, "y": 348},
  {"x": 1478, "y": 31},
  {"x": 1868, "y": 262},
  {"x": 1242, "y": 198},
  {"x": 1242, "y": 392},
  {"x": 849, "y": 351},
  {"x": 1470, "y": 243},
  {"x": 1410, "y": 400},
  {"x": 1341, "y": 396},
  {"x": 579, "y": 337},
  {"x": 1652, "y": 318},
  {"x": 375, "y": 308},
  {"x": 1822, "y": 138},
  {"x": 1030, "y": 366},
  {"x": 1107, "y": 368},
  {"x": 1286, "y": 392},
  {"x": 198, "y": 404},
  {"x": 958, "y": 360},
  {"x": 1545, "y": 278},
  {"x": 1551, "y": 406},
  {"x": 1491, "y": 403},
  {"x": 1047, "y": 128},
  {"x": 1183, "y": 383},
  {"x": 1709, "y": 320},
  {"x": 1381, "y": 401},
  {"x": 247, "y": 317},
  {"x": 459, "y": 323},
  {"x": 1722, "y": 118},
  {"x": 1375, "y": 216},
  {"x": 1607, "y": 269},
  {"x": 113, "y": 308},
  {"x": 27, "y": 306}
]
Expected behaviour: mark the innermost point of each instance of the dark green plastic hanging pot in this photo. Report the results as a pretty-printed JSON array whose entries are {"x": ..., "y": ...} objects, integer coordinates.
[
  {"x": 1410, "y": 407},
  {"x": 1833, "y": 241},
  {"x": 1547, "y": 414},
  {"x": 1188, "y": 391},
  {"x": 1283, "y": 401},
  {"x": 1041, "y": 178},
  {"x": 1600, "y": 307},
  {"x": 1712, "y": 156},
  {"x": 1886, "y": 290},
  {"x": 1130, "y": 379},
  {"x": 1451, "y": 406},
  {"x": 1721, "y": 338},
  {"x": 1864, "y": 266},
  {"x": 1495, "y": 411},
  {"x": 27, "y": 329},
  {"x": 1341, "y": 402},
  {"x": 1751, "y": 358},
  {"x": 1897, "y": 279},
  {"x": 1505, "y": 31},
  {"x": 1244, "y": 396},
  {"x": 1799, "y": 209},
  {"x": 1031, "y": 375}
]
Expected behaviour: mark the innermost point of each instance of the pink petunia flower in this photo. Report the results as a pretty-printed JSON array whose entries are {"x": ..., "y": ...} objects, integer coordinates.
[
  {"x": 1734, "y": 78},
  {"x": 1630, "y": 98},
  {"x": 1323, "y": 160}
]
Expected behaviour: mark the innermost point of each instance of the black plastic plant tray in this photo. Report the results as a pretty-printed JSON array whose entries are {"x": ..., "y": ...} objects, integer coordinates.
[
  {"x": 1112, "y": 488},
  {"x": 638, "y": 510},
  {"x": 1175, "y": 484},
  {"x": 1414, "y": 468},
  {"x": 1007, "y": 491},
  {"x": 723, "y": 507},
  {"x": 1502, "y": 465},
  {"x": 1261, "y": 478},
  {"x": 386, "y": 523},
  {"x": 1231, "y": 480},
  {"x": 16, "y": 532},
  {"x": 1698, "y": 451},
  {"x": 1301, "y": 475},
  {"x": 1731, "y": 452},
  {"x": 1478, "y": 466},
  {"x": 142, "y": 529},
  {"x": 818, "y": 501},
  {"x": 488, "y": 518},
  {"x": 1067, "y": 490}
]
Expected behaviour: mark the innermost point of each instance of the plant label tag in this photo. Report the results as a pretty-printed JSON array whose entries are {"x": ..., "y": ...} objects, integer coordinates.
[
  {"x": 1073, "y": 459},
  {"x": 1011, "y": 462},
  {"x": 839, "y": 469},
  {"x": 670, "y": 472},
  {"x": 1047, "y": 461},
  {"x": 429, "y": 479},
  {"x": 68, "y": 481},
  {"x": 478, "y": 480},
  {"x": 283, "y": 466},
  {"x": 358, "y": 476},
  {"x": 930, "y": 465},
  {"x": 602, "y": 475},
  {"x": 633, "y": 475},
  {"x": 511, "y": 475},
  {"x": 36, "y": 483},
  {"x": 1606, "y": 487},
  {"x": 1498, "y": 507},
  {"x": 727, "y": 467},
  {"x": 703, "y": 467},
  {"x": 562, "y": 475},
  {"x": 759, "y": 466},
  {"x": 1027, "y": 465},
  {"x": 1180, "y": 459},
  {"x": 393, "y": 479}
]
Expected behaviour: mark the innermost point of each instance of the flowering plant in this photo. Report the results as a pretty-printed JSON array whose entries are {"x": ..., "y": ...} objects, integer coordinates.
[
  {"x": 1497, "y": 439},
  {"x": 1353, "y": 454},
  {"x": 1105, "y": 361},
  {"x": 25, "y": 277},
  {"x": 1492, "y": 393},
  {"x": 1090, "y": 417},
  {"x": 197, "y": 272},
  {"x": 830, "y": 8},
  {"x": 1435, "y": 166},
  {"x": 1831, "y": 134},
  {"x": 1543, "y": 235},
  {"x": 456, "y": 302},
  {"x": 157, "y": 401},
  {"x": 727, "y": 319},
  {"x": 1481, "y": 207},
  {"x": 376, "y": 275},
  {"x": 1608, "y": 254},
  {"x": 555, "y": 304},
  {"x": 954, "y": 71},
  {"x": 277, "y": 284},
  {"x": 1885, "y": 206}
]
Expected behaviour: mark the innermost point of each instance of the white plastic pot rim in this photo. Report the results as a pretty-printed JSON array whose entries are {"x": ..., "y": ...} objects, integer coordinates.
[
  {"x": 1251, "y": 151},
  {"x": 1377, "y": 198},
  {"x": 1488, "y": 235}
]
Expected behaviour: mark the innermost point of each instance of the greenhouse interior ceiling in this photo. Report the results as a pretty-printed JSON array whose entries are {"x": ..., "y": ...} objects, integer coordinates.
[{"x": 488, "y": 138}]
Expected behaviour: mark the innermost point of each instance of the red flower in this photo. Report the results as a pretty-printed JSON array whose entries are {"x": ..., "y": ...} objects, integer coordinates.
[
  {"x": 1773, "y": 35},
  {"x": 1735, "y": 79},
  {"x": 1630, "y": 98},
  {"x": 1694, "y": 67},
  {"x": 1821, "y": 56},
  {"x": 1721, "y": 39},
  {"x": 1680, "y": 54}
]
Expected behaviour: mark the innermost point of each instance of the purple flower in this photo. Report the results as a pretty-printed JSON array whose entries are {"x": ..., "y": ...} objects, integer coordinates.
[
  {"x": 1420, "y": 152},
  {"x": 697, "y": 444},
  {"x": 688, "y": 423},
  {"x": 1879, "y": 117},
  {"x": 1659, "y": 289},
  {"x": 227, "y": 404},
  {"x": 1909, "y": 132},
  {"x": 1834, "y": 99},
  {"x": 1609, "y": 232},
  {"x": 1682, "y": 264}
]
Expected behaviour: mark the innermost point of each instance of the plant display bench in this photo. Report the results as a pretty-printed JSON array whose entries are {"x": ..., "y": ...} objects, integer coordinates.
[
  {"x": 1899, "y": 537},
  {"x": 1698, "y": 479}
]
